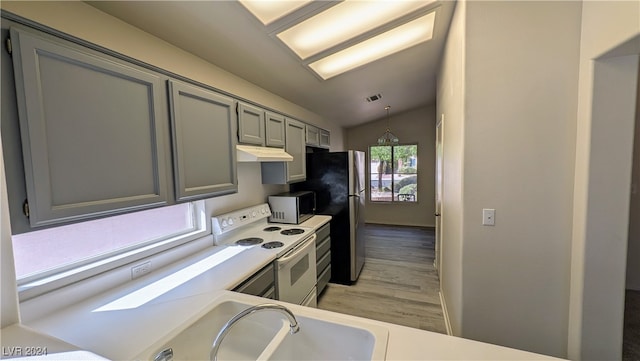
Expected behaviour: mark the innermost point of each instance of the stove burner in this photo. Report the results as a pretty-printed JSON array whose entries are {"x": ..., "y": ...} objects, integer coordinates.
[
  {"x": 274, "y": 244},
  {"x": 292, "y": 231},
  {"x": 249, "y": 241},
  {"x": 272, "y": 229}
]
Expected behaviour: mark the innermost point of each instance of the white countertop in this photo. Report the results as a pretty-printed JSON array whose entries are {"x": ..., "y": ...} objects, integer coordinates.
[
  {"x": 121, "y": 332},
  {"x": 20, "y": 341},
  {"x": 316, "y": 222}
]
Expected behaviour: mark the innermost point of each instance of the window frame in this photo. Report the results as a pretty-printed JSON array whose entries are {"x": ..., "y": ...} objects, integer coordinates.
[
  {"x": 38, "y": 284},
  {"x": 393, "y": 171}
]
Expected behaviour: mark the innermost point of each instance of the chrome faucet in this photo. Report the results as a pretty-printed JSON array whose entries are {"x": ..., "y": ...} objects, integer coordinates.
[
  {"x": 293, "y": 324},
  {"x": 164, "y": 355}
]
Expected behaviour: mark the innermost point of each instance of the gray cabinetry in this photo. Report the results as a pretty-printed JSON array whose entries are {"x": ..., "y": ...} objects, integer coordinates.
[
  {"x": 94, "y": 131},
  {"x": 312, "y": 136},
  {"x": 251, "y": 127},
  {"x": 261, "y": 284},
  {"x": 295, "y": 170},
  {"x": 323, "y": 257},
  {"x": 295, "y": 145},
  {"x": 317, "y": 137},
  {"x": 325, "y": 139},
  {"x": 203, "y": 133},
  {"x": 274, "y": 124}
]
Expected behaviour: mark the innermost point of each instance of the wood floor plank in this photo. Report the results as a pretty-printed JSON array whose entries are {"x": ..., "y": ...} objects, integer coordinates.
[{"x": 398, "y": 283}]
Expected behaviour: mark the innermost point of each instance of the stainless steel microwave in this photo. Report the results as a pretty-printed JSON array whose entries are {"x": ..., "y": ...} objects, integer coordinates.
[{"x": 292, "y": 207}]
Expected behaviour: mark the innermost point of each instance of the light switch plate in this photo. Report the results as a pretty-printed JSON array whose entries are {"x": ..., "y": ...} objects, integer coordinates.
[{"x": 488, "y": 217}]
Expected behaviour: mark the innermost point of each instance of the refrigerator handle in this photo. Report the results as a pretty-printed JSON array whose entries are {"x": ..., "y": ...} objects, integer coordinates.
[{"x": 356, "y": 207}]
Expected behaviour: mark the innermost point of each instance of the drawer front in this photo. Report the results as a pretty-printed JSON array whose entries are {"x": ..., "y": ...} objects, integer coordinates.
[
  {"x": 323, "y": 279},
  {"x": 323, "y": 247},
  {"x": 259, "y": 283},
  {"x": 323, "y": 232},
  {"x": 323, "y": 262}
]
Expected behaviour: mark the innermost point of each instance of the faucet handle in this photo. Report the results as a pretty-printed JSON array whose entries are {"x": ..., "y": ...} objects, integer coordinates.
[{"x": 164, "y": 355}]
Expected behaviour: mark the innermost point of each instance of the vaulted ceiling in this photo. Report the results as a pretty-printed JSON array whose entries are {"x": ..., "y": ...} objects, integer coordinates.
[{"x": 227, "y": 35}]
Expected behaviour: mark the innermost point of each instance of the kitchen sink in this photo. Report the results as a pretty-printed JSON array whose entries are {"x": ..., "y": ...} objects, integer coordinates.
[
  {"x": 264, "y": 335},
  {"x": 321, "y": 340}
]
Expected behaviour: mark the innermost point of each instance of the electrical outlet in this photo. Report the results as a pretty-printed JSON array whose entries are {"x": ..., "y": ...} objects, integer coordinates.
[{"x": 140, "y": 270}]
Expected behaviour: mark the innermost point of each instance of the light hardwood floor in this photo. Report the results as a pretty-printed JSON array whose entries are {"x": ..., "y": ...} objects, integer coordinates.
[{"x": 398, "y": 283}]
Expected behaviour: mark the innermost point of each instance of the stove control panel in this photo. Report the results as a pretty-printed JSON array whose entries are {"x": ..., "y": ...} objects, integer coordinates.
[{"x": 233, "y": 220}]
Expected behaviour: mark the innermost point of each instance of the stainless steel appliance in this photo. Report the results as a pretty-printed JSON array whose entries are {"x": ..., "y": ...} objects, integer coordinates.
[
  {"x": 338, "y": 180},
  {"x": 292, "y": 207},
  {"x": 292, "y": 246}
]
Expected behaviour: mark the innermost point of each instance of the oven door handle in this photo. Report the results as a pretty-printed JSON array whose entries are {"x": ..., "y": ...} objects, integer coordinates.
[{"x": 298, "y": 249}]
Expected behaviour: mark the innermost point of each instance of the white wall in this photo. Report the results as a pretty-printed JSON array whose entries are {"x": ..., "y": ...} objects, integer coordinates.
[
  {"x": 515, "y": 142},
  {"x": 450, "y": 109},
  {"x": 633, "y": 251},
  {"x": 8, "y": 292},
  {"x": 610, "y": 44},
  {"x": 250, "y": 191},
  {"x": 520, "y": 106},
  {"x": 412, "y": 127}
]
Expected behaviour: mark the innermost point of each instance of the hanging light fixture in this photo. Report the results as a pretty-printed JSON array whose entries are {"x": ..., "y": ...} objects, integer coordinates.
[{"x": 388, "y": 138}]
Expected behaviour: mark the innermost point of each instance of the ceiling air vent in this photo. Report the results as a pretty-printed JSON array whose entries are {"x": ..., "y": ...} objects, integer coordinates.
[{"x": 373, "y": 98}]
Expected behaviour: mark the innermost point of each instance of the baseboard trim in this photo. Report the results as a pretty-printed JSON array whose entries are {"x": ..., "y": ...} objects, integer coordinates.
[{"x": 447, "y": 322}]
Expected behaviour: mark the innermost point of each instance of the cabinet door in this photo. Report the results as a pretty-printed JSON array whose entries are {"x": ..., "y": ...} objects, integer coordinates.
[
  {"x": 312, "y": 136},
  {"x": 295, "y": 145},
  {"x": 203, "y": 128},
  {"x": 94, "y": 131},
  {"x": 325, "y": 138},
  {"x": 274, "y": 130},
  {"x": 250, "y": 124}
]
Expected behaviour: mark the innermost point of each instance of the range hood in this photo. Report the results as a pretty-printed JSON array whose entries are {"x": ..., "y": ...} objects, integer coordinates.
[{"x": 247, "y": 153}]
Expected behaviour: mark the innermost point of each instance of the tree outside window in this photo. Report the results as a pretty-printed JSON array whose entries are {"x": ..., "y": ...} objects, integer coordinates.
[{"x": 394, "y": 173}]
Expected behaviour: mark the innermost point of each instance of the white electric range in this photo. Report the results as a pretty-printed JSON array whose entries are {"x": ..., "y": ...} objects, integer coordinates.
[
  {"x": 249, "y": 227},
  {"x": 292, "y": 245}
]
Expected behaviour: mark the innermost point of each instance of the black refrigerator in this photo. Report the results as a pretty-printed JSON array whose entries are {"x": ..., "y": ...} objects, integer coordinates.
[{"x": 338, "y": 179}]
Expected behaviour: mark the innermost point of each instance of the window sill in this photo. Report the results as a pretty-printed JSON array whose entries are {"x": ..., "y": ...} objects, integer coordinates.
[{"x": 94, "y": 318}]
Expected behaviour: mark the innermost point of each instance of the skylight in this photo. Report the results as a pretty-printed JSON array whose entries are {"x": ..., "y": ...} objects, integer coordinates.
[
  {"x": 349, "y": 34},
  {"x": 393, "y": 41},
  {"x": 342, "y": 22},
  {"x": 270, "y": 11}
]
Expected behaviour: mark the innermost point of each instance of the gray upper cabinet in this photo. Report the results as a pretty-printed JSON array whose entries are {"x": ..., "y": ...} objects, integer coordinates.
[
  {"x": 94, "y": 131},
  {"x": 295, "y": 170},
  {"x": 317, "y": 137},
  {"x": 325, "y": 139},
  {"x": 251, "y": 128},
  {"x": 312, "y": 136},
  {"x": 203, "y": 128},
  {"x": 274, "y": 130},
  {"x": 295, "y": 145}
]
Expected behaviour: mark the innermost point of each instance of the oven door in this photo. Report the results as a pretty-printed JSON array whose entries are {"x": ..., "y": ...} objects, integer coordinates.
[{"x": 296, "y": 272}]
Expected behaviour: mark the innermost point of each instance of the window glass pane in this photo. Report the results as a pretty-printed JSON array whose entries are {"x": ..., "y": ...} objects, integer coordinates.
[
  {"x": 381, "y": 173},
  {"x": 394, "y": 173},
  {"x": 54, "y": 248},
  {"x": 406, "y": 173}
]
